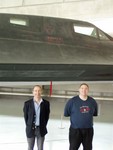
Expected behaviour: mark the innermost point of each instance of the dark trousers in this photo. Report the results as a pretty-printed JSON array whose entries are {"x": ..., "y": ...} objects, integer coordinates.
[
  {"x": 40, "y": 140},
  {"x": 80, "y": 136}
]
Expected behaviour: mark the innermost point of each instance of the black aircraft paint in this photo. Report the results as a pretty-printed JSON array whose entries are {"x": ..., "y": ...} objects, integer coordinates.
[{"x": 39, "y": 48}]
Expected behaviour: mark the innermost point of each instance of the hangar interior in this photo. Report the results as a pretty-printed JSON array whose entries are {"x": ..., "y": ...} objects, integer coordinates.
[
  {"x": 13, "y": 94},
  {"x": 12, "y": 126}
]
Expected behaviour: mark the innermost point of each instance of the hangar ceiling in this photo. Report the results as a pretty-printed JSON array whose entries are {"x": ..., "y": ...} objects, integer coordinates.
[{"x": 99, "y": 12}]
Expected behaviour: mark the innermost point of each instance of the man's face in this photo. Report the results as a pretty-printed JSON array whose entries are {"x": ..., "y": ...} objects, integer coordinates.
[
  {"x": 37, "y": 92},
  {"x": 83, "y": 90}
]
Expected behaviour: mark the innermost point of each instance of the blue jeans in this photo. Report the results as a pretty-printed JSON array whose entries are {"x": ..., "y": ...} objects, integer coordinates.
[{"x": 40, "y": 140}]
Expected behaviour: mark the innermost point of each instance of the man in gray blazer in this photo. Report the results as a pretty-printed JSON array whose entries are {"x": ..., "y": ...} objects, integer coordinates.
[{"x": 36, "y": 115}]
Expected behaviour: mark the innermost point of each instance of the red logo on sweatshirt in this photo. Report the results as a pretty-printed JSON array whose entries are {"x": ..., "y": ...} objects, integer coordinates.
[{"x": 84, "y": 109}]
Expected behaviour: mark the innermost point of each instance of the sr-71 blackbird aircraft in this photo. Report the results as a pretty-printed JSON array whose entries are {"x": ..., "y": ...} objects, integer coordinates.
[{"x": 39, "y": 48}]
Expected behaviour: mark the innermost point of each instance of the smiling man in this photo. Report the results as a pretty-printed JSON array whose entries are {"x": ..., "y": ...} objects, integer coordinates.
[
  {"x": 81, "y": 109},
  {"x": 36, "y": 115}
]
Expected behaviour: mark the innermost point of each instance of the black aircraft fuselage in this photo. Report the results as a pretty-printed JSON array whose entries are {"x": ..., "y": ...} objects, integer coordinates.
[{"x": 38, "y": 48}]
